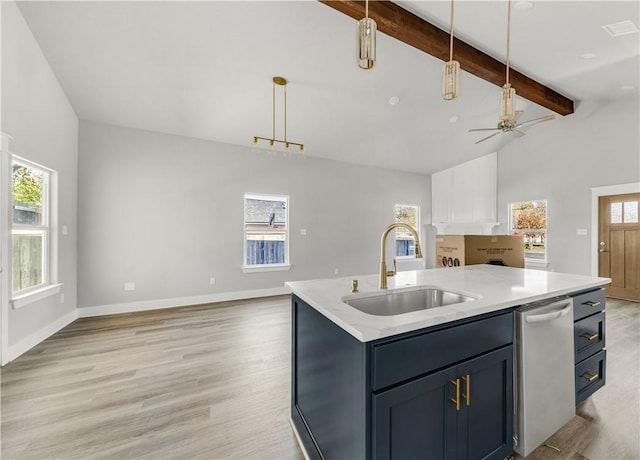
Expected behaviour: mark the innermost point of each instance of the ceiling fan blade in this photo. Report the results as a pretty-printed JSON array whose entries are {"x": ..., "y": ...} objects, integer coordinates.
[
  {"x": 517, "y": 133},
  {"x": 488, "y": 137},
  {"x": 485, "y": 129},
  {"x": 518, "y": 114},
  {"x": 536, "y": 120}
]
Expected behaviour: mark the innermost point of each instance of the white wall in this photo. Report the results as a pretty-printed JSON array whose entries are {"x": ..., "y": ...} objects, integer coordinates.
[
  {"x": 44, "y": 127},
  {"x": 561, "y": 161},
  {"x": 166, "y": 212}
]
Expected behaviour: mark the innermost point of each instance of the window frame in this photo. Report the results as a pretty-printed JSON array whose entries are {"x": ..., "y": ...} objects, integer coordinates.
[
  {"x": 255, "y": 268},
  {"x": 48, "y": 285},
  {"x": 417, "y": 229},
  {"x": 531, "y": 260}
]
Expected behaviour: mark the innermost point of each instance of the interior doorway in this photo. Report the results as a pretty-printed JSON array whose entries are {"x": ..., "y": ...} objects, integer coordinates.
[{"x": 619, "y": 244}]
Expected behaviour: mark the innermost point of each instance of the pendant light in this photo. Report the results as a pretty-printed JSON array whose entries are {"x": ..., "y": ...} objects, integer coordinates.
[
  {"x": 272, "y": 141},
  {"x": 451, "y": 70},
  {"x": 367, "y": 40},
  {"x": 508, "y": 97}
]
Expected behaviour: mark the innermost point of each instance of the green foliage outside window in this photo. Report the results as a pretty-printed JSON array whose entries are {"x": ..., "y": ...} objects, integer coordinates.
[
  {"x": 529, "y": 219},
  {"x": 27, "y": 186},
  {"x": 530, "y": 215},
  {"x": 29, "y": 232}
]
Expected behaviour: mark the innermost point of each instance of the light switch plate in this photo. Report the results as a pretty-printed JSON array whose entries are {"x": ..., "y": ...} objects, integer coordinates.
[{"x": 581, "y": 231}]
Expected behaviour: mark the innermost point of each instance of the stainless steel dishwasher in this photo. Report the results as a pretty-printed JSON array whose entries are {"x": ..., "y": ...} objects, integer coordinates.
[{"x": 544, "y": 360}]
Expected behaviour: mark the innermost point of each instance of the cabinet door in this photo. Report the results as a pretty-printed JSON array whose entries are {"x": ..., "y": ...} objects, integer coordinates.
[
  {"x": 463, "y": 196},
  {"x": 441, "y": 188},
  {"x": 416, "y": 420},
  {"x": 486, "y": 194},
  {"x": 485, "y": 421}
]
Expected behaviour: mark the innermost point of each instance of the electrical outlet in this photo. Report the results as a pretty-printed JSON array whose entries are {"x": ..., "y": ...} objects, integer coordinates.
[
  {"x": 129, "y": 286},
  {"x": 62, "y": 297},
  {"x": 303, "y": 231},
  {"x": 65, "y": 230},
  {"x": 581, "y": 231},
  {"x": 336, "y": 271},
  {"x": 212, "y": 280}
]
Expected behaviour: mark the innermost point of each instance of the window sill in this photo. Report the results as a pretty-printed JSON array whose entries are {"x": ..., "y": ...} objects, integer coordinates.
[
  {"x": 265, "y": 268},
  {"x": 33, "y": 296}
]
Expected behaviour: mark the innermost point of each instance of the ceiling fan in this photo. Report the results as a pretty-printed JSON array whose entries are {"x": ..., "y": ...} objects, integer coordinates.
[
  {"x": 509, "y": 116},
  {"x": 511, "y": 126}
]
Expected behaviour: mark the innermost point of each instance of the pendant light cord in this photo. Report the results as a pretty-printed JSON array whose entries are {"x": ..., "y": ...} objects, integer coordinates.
[
  {"x": 366, "y": 9},
  {"x": 273, "y": 103},
  {"x": 508, "y": 36},
  {"x": 273, "y": 129},
  {"x": 451, "y": 35}
]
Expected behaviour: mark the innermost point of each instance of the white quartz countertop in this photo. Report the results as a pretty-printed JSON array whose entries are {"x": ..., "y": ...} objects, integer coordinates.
[{"x": 493, "y": 287}]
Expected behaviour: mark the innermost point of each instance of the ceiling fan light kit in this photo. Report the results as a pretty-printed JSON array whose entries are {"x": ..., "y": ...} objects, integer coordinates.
[
  {"x": 451, "y": 69},
  {"x": 367, "y": 28},
  {"x": 272, "y": 141}
]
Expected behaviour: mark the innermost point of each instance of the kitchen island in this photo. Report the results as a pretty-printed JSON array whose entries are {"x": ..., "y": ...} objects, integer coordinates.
[{"x": 432, "y": 383}]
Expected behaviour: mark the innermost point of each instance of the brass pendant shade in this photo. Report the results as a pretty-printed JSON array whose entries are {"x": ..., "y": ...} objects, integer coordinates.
[
  {"x": 367, "y": 28},
  {"x": 508, "y": 103},
  {"x": 451, "y": 70},
  {"x": 450, "y": 81}
]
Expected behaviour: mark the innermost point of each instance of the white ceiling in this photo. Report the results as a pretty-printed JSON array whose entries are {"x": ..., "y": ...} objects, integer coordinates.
[{"x": 204, "y": 69}]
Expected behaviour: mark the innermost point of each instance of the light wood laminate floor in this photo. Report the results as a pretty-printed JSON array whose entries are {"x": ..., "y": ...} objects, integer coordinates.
[{"x": 212, "y": 382}]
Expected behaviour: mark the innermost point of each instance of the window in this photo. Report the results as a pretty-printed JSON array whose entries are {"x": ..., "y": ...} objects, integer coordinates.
[
  {"x": 266, "y": 231},
  {"x": 30, "y": 230},
  {"x": 529, "y": 219},
  {"x": 628, "y": 209},
  {"x": 408, "y": 214}
]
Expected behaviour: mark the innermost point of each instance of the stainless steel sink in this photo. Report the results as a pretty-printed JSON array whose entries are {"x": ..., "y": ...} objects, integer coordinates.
[{"x": 399, "y": 302}]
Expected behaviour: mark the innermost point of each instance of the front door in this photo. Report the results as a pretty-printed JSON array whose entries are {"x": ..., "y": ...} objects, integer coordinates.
[{"x": 619, "y": 245}]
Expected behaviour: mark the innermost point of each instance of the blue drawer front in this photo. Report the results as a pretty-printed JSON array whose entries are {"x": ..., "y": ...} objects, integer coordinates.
[
  {"x": 588, "y": 304},
  {"x": 590, "y": 375},
  {"x": 589, "y": 336}
]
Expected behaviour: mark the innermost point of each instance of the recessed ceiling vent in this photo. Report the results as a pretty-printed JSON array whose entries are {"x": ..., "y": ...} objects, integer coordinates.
[{"x": 621, "y": 28}]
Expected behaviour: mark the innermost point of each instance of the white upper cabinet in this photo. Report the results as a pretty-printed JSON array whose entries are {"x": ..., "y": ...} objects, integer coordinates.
[
  {"x": 466, "y": 193},
  {"x": 441, "y": 185}
]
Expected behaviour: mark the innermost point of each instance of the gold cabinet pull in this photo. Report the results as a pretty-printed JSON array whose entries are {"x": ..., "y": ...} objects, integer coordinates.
[
  {"x": 456, "y": 401},
  {"x": 591, "y": 303},
  {"x": 590, "y": 337},
  {"x": 467, "y": 395},
  {"x": 590, "y": 377}
]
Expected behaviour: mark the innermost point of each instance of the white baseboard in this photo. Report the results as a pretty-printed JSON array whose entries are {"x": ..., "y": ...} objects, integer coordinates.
[
  {"x": 35, "y": 338},
  {"x": 143, "y": 305}
]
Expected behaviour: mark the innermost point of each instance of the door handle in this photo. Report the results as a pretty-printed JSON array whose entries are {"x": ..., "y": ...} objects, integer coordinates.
[
  {"x": 591, "y": 303},
  {"x": 456, "y": 401},
  {"x": 590, "y": 377},
  {"x": 467, "y": 395},
  {"x": 549, "y": 316},
  {"x": 590, "y": 336}
]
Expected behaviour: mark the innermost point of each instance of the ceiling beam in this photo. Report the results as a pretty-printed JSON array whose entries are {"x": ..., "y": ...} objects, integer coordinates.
[{"x": 399, "y": 23}]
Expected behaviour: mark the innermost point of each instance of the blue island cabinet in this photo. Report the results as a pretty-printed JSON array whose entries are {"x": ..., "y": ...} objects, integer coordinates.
[{"x": 444, "y": 392}]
